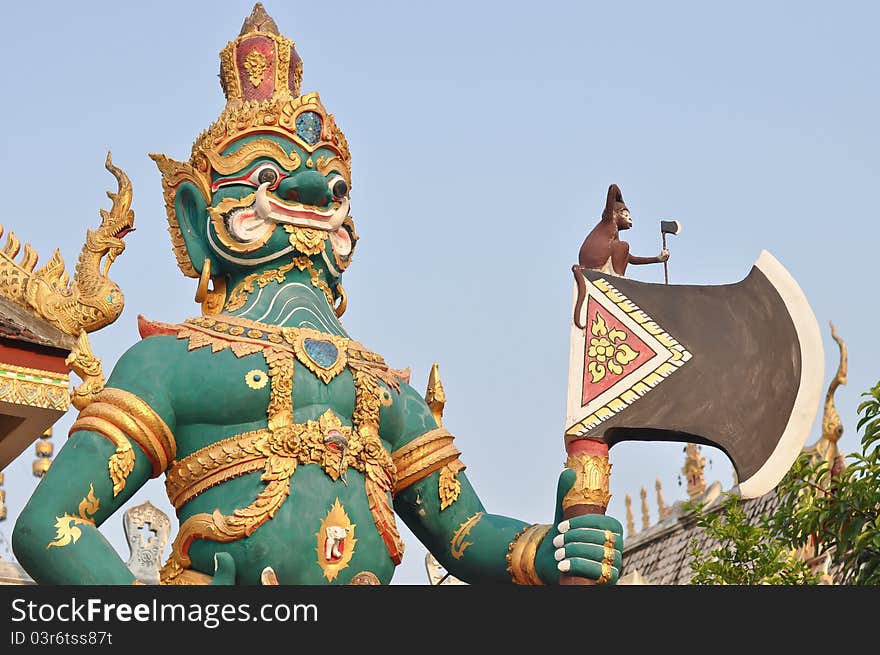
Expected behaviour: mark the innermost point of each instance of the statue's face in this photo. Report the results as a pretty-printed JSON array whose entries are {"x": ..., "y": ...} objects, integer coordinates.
[{"x": 270, "y": 197}]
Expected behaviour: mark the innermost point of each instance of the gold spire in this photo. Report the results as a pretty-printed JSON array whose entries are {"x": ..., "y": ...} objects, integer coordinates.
[
  {"x": 694, "y": 464},
  {"x": 2, "y": 499},
  {"x": 832, "y": 426},
  {"x": 646, "y": 518},
  {"x": 43, "y": 450},
  {"x": 435, "y": 396},
  {"x": 662, "y": 510},
  {"x": 630, "y": 522},
  {"x": 258, "y": 21}
]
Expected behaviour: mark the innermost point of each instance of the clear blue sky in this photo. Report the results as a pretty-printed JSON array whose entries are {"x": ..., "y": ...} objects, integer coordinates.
[{"x": 484, "y": 136}]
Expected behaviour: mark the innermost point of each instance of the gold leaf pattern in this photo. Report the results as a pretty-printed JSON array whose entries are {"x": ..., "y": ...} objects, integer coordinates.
[
  {"x": 66, "y": 531},
  {"x": 607, "y": 352}
]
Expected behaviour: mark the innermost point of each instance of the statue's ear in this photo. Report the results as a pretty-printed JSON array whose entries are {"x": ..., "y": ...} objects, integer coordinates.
[
  {"x": 614, "y": 196},
  {"x": 191, "y": 210},
  {"x": 187, "y": 193}
]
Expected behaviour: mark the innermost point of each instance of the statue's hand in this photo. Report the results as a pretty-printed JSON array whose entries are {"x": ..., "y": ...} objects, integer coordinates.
[
  {"x": 224, "y": 569},
  {"x": 663, "y": 256},
  {"x": 583, "y": 543}
]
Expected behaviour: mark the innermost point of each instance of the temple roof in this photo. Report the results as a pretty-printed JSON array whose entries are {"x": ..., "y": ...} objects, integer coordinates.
[
  {"x": 662, "y": 553},
  {"x": 19, "y": 324}
]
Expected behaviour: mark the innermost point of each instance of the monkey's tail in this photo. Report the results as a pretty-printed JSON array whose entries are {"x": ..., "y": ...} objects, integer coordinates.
[{"x": 581, "y": 295}]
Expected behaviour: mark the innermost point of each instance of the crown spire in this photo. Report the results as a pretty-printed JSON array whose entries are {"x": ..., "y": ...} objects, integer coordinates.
[
  {"x": 259, "y": 64},
  {"x": 258, "y": 21}
]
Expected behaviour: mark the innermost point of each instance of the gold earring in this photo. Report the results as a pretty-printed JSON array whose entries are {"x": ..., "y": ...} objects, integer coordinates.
[
  {"x": 212, "y": 300},
  {"x": 204, "y": 278},
  {"x": 339, "y": 310}
]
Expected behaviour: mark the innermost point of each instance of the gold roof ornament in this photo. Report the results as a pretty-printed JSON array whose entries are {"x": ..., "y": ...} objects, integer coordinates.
[
  {"x": 694, "y": 464},
  {"x": 646, "y": 517},
  {"x": 2, "y": 499},
  {"x": 832, "y": 427},
  {"x": 630, "y": 521},
  {"x": 662, "y": 510},
  {"x": 91, "y": 301}
]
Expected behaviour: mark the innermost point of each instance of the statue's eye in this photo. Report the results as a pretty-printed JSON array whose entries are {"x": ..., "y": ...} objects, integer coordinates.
[
  {"x": 265, "y": 174},
  {"x": 338, "y": 187}
]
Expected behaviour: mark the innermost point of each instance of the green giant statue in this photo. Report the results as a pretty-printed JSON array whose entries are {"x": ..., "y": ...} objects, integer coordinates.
[{"x": 287, "y": 446}]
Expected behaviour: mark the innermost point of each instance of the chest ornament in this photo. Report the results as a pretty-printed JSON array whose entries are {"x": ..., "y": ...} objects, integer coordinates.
[{"x": 325, "y": 355}]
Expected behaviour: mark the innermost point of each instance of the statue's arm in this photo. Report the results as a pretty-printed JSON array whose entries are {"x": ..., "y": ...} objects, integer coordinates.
[
  {"x": 436, "y": 501},
  {"x": 117, "y": 443},
  {"x": 659, "y": 259}
]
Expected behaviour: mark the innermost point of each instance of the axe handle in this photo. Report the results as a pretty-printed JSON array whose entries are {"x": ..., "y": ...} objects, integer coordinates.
[
  {"x": 589, "y": 495},
  {"x": 665, "y": 264}
]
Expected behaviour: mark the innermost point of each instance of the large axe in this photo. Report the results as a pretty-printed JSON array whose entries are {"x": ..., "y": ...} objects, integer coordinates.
[{"x": 736, "y": 366}]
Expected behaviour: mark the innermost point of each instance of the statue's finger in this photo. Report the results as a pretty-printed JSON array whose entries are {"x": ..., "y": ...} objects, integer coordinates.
[
  {"x": 597, "y": 521},
  {"x": 587, "y": 551},
  {"x": 587, "y": 535},
  {"x": 224, "y": 569},
  {"x": 584, "y": 568}
]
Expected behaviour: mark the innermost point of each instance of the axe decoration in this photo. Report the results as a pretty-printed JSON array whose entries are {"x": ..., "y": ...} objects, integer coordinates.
[
  {"x": 673, "y": 228},
  {"x": 736, "y": 366}
]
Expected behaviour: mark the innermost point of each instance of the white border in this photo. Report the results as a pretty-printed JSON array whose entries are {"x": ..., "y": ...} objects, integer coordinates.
[{"x": 809, "y": 395}]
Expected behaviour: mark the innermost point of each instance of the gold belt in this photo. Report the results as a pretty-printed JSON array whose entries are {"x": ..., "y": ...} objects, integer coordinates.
[{"x": 325, "y": 442}]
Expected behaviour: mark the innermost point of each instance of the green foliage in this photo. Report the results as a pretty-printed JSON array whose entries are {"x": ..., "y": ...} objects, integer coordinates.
[
  {"x": 839, "y": 514},
  {"x": 747, "y": 553}
]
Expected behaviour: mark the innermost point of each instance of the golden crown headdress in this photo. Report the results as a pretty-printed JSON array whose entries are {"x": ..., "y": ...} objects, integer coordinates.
[{"x": 261, "y": 76}]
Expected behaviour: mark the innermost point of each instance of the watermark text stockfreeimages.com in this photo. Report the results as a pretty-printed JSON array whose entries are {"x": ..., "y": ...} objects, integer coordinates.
[{"x": 208, "y": 615}]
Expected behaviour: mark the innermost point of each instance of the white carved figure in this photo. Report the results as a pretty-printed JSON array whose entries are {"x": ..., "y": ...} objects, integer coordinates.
[{"x": 333, "y": 544}]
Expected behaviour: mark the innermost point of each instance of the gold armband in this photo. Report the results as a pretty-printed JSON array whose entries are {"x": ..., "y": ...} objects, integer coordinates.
[
  {"x": 117, "y": 414},
  {"x": 521, "y": 554},
  {"x": 433, "y": 451}
]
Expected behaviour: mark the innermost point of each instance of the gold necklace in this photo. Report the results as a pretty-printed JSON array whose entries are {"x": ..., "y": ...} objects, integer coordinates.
[{"x": 238, "y": 296}]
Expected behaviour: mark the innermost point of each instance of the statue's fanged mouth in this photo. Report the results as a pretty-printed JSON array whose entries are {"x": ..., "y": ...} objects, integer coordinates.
[
  {"x": 272, "y": 209},
  {"x": 251, "y": 224}
]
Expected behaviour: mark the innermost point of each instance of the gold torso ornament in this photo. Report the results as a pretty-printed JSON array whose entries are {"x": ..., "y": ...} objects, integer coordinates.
[
  {"x": 325, "y": 442},
  {"x": 283, "y": 444}
]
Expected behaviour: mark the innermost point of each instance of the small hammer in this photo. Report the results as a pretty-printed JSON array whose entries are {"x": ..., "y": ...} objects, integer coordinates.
[{"x": 668, "y": 227}]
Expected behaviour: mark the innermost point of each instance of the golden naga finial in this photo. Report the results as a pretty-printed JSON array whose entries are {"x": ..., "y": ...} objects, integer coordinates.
[
  {"x": 630, "y": 522},
  {"x": 662, "y": 510},
  {"x": 694, "y": 464},
  {"x": 87, "y": 366},
  {"x": 435, "y": 396},
  {"x": 91, "y": 301},
  {"x": 646, "y": 517},
  {"x": 832, "y": 427}
]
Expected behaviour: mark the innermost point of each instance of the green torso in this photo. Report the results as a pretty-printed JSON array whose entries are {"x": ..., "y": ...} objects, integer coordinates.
[{"x": 289, "y": 542}]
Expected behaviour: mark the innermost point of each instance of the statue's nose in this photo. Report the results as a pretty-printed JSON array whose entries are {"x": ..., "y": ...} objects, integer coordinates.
[{"x": 306, "y": 187}]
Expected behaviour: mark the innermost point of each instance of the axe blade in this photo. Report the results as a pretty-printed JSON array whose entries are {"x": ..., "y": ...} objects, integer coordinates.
[
  {"x": 670, "y": 227},
  {"x": 736, "y": 366}
]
